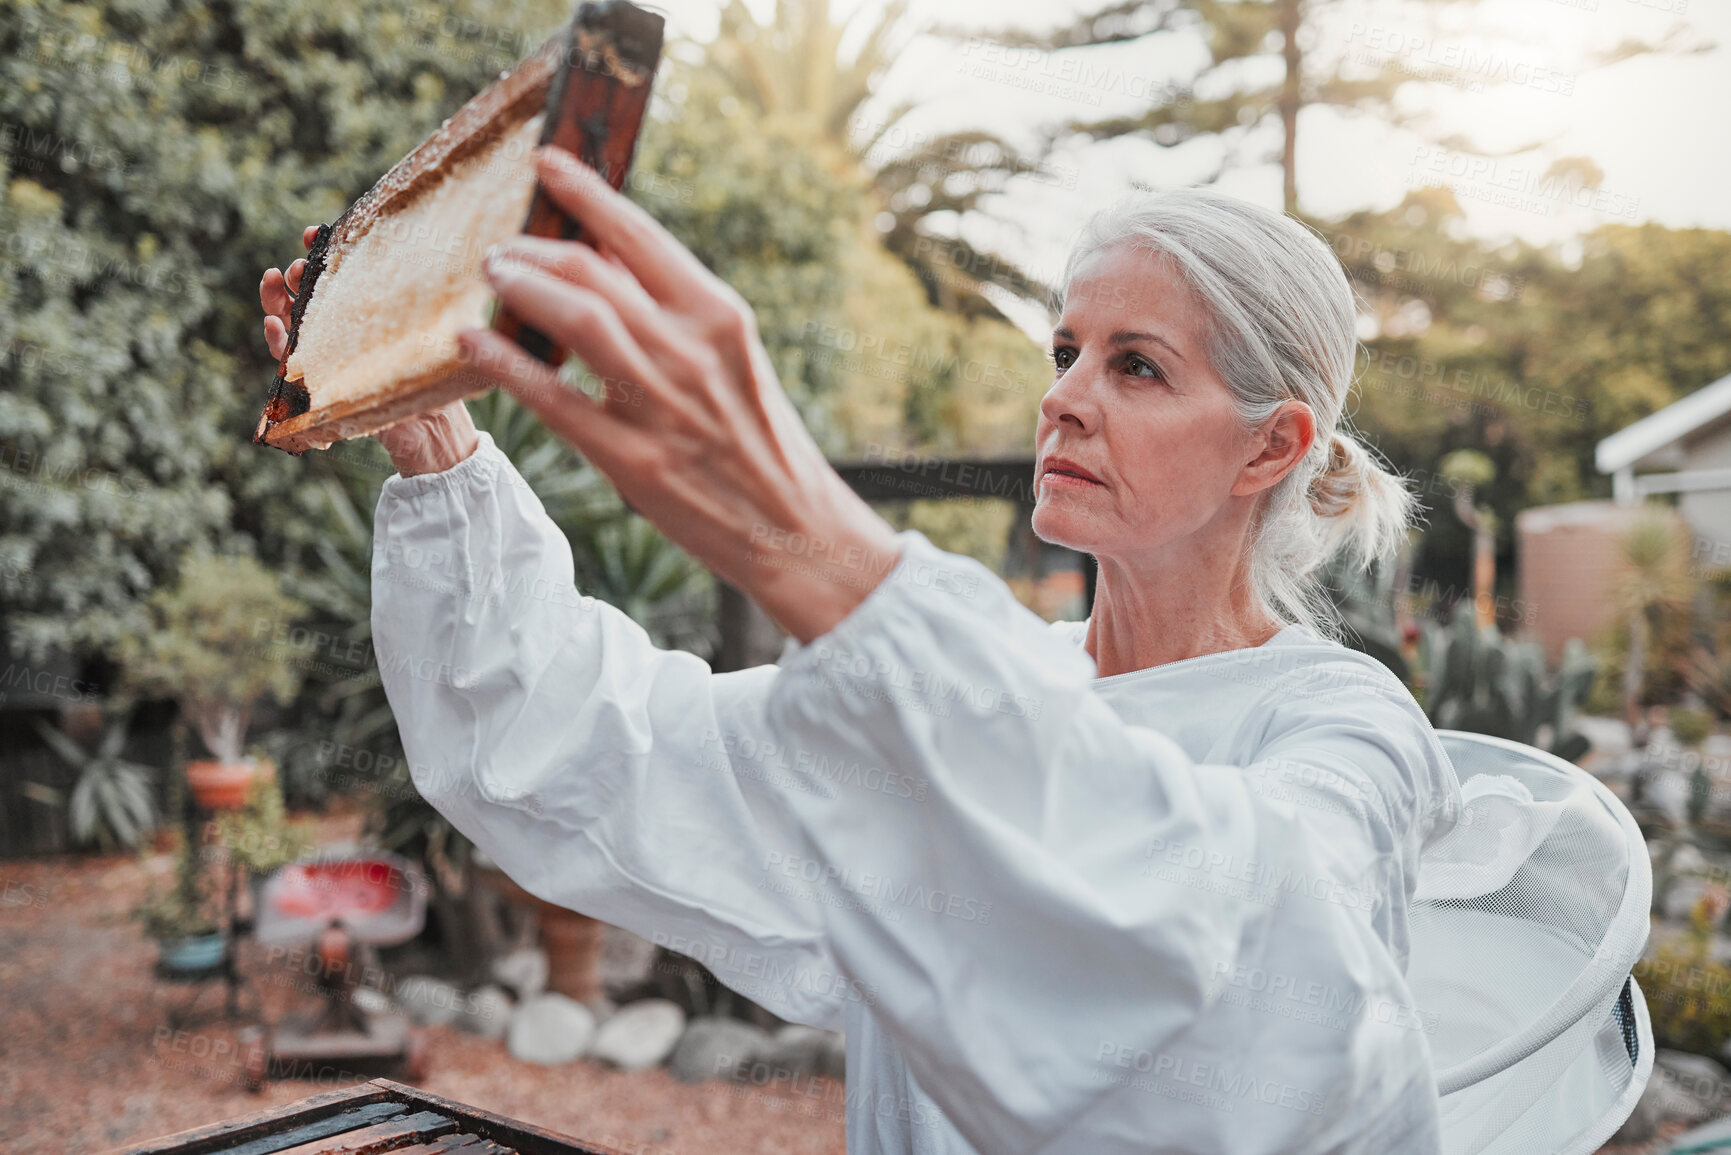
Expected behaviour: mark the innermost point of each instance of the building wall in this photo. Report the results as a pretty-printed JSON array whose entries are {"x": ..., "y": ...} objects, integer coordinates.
[
  {"x": 1570, "y": 557},
  {"x": 1708, "y": 511}
]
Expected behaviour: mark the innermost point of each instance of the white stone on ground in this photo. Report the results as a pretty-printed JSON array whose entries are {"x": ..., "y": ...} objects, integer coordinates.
[
  {"x": 523, "y": 971},
  {"x": 627, "y": 960},
  {"x": 715, "y": 1047},
  {"x": 430, "y": 1002},
  {"x": 486, "y": 1011},
  {"x": 369, "y": 1001},
  {"x": 550, "y": 1028},
  {"x": 640, "y": 1034},
  {"x": 803, "y": 1051}
]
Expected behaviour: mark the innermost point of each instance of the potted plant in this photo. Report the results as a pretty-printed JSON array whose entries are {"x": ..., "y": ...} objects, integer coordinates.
[
  {"x": 218, "y": 642},
  {"x": 180, "y": 920},
  {"x": 259, "y": 836}
]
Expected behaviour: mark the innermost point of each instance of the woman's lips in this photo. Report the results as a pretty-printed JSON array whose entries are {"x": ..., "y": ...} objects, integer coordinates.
[
  {"x": 1068, "y": 474},
  {"x": 1067, "y": 481}
]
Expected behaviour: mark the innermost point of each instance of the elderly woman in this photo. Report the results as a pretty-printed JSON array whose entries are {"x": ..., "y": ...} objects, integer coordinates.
[{"x": 1133, "y": 884}]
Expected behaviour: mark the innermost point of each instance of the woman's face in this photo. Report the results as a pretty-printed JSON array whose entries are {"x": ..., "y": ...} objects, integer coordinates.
[{"x": 1138, "y": 412}]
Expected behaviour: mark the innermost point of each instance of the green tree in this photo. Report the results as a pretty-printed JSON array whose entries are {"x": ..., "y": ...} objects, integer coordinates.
[
  {"x": 1227, "y": 97},
  {"x": 216, "y": 645},
  {"x": 761, "y": 212},
  {"x": 793, "y": 75},
  {"x": 1527, "y": 354},
  {"x": 157, "y": 156},
  {"x": 884, "y": 335}
]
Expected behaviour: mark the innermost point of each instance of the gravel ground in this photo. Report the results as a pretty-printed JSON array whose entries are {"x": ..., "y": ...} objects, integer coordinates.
[
  {"x": 1658, "y": 1146},
  {"x": 88, "y": 1063}
]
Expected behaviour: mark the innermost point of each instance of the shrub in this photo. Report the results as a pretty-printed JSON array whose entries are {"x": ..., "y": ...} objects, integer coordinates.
[
  {"x": 1691, "y": 725},
  {"x": 1688, "y": 994}
]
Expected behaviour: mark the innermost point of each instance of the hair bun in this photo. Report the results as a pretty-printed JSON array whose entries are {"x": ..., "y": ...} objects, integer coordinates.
[
  {"x": 1340, "y": 482},
  {"x": 1359, "y": 503}
]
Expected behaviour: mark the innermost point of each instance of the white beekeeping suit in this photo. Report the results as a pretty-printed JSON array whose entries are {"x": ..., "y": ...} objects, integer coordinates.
[{"x": 1162, "y": 911}]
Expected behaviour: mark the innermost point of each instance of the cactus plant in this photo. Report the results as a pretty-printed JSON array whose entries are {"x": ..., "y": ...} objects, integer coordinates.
[
  {"x": 1365, "y": 598},
  {"x": 1482, "y": 681}
]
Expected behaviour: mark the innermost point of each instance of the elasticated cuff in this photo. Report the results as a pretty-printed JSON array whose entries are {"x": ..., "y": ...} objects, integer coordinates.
[{"x": 481, "y": 465}]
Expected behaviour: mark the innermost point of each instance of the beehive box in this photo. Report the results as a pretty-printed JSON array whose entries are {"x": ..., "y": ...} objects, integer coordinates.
[{"x": 369, "y": 1119}]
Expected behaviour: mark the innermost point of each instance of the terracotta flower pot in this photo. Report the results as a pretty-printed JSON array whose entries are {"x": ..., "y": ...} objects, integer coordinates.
[
  {"x": 572, "y": 941},
  {"x": 221, "y": 785},
  {"x": 573, "y": 945}
]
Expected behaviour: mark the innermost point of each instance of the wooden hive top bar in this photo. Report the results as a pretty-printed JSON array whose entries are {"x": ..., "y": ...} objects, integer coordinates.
[{"x": 376, "y": 1118}]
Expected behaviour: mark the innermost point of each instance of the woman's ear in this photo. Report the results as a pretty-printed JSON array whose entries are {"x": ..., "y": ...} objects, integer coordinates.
[{"x": 1279, "y": 445}]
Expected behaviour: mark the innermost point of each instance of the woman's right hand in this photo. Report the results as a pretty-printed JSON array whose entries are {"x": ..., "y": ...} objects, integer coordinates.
[{"x": 427, "y": 443}]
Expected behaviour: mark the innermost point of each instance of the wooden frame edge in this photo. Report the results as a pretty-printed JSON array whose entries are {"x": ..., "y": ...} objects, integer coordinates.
[{"x": 238, "y": 1129}]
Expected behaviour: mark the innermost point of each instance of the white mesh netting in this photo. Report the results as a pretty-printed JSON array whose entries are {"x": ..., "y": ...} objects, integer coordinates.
[{"x": 1526, "y": 921}]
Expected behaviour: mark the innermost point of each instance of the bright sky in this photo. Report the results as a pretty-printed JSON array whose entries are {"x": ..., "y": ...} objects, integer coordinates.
[{"x": 1515, "y": 72}]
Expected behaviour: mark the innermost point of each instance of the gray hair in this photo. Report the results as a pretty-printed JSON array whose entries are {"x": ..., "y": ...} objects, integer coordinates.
[{"x": 1282, "y": 324}]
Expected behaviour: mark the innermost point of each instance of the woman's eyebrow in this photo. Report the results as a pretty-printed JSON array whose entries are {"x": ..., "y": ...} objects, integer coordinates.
[
  {"x": 1126, "y": 337},
  {"x": 1129, "y": 336}
]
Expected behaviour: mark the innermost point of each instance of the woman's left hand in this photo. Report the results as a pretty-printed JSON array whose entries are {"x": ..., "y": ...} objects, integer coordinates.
[{"x": 689, "y": 423}]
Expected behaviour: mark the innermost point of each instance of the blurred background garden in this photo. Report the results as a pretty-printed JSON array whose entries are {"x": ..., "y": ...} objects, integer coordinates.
[{"x": 189, "y": 700}]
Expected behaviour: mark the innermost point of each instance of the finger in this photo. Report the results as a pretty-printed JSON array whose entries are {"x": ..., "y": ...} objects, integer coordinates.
[
  {"x": 582, "y": 266},
  {"x": 580, "y": 320},
  {"x": 273, "y": 295},
  {"x": 612, "y": 258},
  {"x": 663, "y": 266},
  {"x": 295, "y": 272},
  {"x": 583, "y": 422},
  {"x": 309, "y": 235},
  {"x": 275, "y": 338},
  {"x": 545, "y": 255}
]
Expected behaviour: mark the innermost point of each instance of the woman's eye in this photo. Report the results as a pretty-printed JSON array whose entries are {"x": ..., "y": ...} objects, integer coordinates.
[
  {"x": 1062, "y": 358},
  {"x": 1139, "y": 367}
]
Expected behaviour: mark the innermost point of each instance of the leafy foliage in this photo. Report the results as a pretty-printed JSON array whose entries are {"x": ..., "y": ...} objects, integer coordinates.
[
  {"x": 112, "y": 803},
  {"x": 218, "y": 642},
  {"x": 186, "y": 908},
  {"x": 259, "y": 835},
  {"x": 1522, "y": 354},
  {"x": 793, "y": 75},
  {"x": 760, "y": 211},
  {"x": 159, "y": 155},
  {"x": 913, "y": 355}
]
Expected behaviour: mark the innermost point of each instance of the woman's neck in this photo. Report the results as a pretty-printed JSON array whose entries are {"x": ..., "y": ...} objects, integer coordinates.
[{"x": 1146, "y": 617}]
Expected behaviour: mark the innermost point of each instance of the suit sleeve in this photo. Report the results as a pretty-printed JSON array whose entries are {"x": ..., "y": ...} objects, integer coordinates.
[{"x": 596, "y": 769}]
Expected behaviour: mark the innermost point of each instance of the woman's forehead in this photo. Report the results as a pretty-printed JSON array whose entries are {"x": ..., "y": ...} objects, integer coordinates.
[{"x": 1126, "y": 287}]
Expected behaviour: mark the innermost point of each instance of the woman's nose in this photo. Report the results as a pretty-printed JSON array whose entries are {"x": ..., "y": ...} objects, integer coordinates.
[{"x": 1073, "y": 398}]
